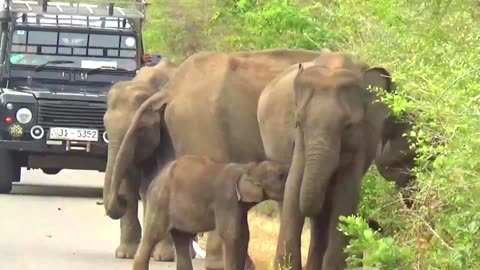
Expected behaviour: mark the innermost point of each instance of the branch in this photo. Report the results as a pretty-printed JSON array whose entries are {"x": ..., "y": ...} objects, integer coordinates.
[
  {"x": 434, "y": 232},
  {"x": 455, "y": 81}
]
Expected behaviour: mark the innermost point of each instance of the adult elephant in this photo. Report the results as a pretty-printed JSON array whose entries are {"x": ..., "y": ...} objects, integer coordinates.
[
  {"x": 330, "y": 129},
  {"x": 124, "y": 99},
  {"x": 208, "y": 108}
]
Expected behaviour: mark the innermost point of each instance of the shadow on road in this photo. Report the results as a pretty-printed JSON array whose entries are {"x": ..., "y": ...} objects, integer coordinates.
[{"x": 56, "y": 190}]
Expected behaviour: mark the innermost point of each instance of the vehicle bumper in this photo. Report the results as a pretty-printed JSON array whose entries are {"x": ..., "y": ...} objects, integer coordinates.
[
  {"x": 63, "y": 155},
  {"x": 40, "y": 146}
]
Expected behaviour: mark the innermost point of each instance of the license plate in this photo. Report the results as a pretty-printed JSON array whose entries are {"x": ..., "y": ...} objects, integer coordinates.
[{"x": 74, "y": 134}]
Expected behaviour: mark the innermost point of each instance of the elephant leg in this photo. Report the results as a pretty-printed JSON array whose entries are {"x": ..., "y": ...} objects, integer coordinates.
[
  {"x": 318, "y": 240},
  {"x": 142, "y": 257},
  {"x": 345, "y": 197},
  {"x": 164, "y": 250},
  {"x": 130, "y": 230},
  {"x": 154, "y": 231},
  {"x": 182, "y": 245},
  {"x": 235, "y": 249},
  {"x": 214, "y": 252},
  {"x": 289, "y": 243},
  {"x": 214, "y": 256}
]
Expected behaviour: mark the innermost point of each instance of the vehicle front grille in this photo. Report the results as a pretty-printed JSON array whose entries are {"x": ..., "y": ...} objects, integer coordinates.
[{"x": 70, "y": 113}]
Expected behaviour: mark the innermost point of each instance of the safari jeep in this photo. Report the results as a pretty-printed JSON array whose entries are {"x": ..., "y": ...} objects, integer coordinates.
[{"x": 57, "y": 62}]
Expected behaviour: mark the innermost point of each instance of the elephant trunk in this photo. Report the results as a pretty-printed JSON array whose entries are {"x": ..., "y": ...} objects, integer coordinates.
[
  {"x": 107, "y": 182},
  {"x": 321, "y": 161},
  {"x": 116, "y": 206},
  {"x": 112, "y": 208}
]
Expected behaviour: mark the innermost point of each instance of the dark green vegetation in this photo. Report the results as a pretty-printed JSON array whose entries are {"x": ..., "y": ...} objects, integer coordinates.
[{"x": 432, "y": 48}]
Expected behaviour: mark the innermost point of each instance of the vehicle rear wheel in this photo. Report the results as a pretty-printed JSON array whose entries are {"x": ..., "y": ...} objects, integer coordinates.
[{"x": 9, "y": 171}]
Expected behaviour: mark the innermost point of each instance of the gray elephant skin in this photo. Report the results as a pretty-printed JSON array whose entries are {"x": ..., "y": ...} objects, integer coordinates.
[
  {"x": 209, "y": 107},
  {"x": 196, "y": 194},
  {"x": 124, "y": 99},
  {"x": 331, "y": 130}
]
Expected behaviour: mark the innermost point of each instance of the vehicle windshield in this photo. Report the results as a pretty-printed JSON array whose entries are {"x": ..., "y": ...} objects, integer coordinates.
[{"x": 85, "y": 50}]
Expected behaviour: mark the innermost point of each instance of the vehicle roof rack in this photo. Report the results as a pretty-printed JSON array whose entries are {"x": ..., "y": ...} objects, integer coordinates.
[{"x": 133, "y": 10}]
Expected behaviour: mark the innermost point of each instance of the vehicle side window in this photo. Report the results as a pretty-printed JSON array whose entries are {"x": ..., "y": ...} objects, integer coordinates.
[
  {"x": 20, "y": 36},
  {"x": 73, "y": 39},
  {"x": 42, "y": 37},
  {"x": 104, "y": 41}
]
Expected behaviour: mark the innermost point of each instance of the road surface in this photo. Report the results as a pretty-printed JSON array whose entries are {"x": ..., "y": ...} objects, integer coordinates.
[{"x": 54, "y": 223}]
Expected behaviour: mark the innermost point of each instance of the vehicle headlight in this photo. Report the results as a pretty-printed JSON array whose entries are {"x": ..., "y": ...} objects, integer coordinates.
[{"x": 24, "y": 116}]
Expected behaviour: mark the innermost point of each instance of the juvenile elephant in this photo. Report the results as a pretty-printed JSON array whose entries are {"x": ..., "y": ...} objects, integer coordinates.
[
  {"x": 124, "y": 99},
  {"x": 196, "y": 194},
  {"x": 324, "y": 109},
  {"x": 208, "y": 108}
]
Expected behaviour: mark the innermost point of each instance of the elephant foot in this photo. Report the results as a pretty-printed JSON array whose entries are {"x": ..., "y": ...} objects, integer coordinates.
[
  {"x": 213, "y": 262},
  {"x": 164, "y": 252},
  {"x": 126, "y": 250}
]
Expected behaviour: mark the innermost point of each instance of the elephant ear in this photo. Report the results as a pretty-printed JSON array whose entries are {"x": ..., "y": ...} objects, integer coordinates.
[
  {"x": 378, "y": 77},
  {"x": 302, "y": 95},
  {"x": 248, "y": 189},
  {"x": 377, "y": 112}
]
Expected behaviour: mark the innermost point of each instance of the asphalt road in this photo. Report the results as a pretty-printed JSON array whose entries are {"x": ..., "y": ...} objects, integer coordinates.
[{"x": 54, "y": 223}]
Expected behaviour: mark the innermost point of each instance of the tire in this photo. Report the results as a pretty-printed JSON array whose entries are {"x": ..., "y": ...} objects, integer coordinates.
[
  {"x": 9, "y": 171},
  {"x": 51, "y": 171}
]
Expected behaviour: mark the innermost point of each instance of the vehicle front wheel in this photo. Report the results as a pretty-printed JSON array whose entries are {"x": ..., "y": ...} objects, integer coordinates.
[{"x": 9, "y": 171}]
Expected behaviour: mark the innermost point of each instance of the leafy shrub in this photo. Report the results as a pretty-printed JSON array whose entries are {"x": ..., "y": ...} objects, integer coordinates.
[{"x": 369, "y": 249}]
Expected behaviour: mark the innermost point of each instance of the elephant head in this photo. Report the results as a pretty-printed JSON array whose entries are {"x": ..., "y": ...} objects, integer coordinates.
[
  {"x": 156, "y": 76},
  {"x": 123, "y": 101},
  {"x": 262, "y": 181},
  {"x": 333, "y": 108},
  {"x": 395, "y": 159}
]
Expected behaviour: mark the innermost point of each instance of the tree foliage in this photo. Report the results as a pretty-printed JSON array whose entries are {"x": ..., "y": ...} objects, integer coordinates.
[{"x": 432, "y": 49}]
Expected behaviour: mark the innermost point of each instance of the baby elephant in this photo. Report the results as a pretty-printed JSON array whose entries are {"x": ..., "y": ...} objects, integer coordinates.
[{"x": 194, "y": 194}]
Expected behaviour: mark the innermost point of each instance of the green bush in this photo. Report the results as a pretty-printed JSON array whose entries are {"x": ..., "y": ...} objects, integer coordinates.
[
  {"x": 432, "y": 49},
  {"x": 369, "y": 249}
]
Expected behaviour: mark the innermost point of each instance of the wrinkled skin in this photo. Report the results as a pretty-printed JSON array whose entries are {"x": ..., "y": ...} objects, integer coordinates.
[
  {"x": 195, "y": 194},
  {"x": 209, "y": 108},
  {"x": 124, "y": 99},
  {"x": 330, "y": 132}
]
